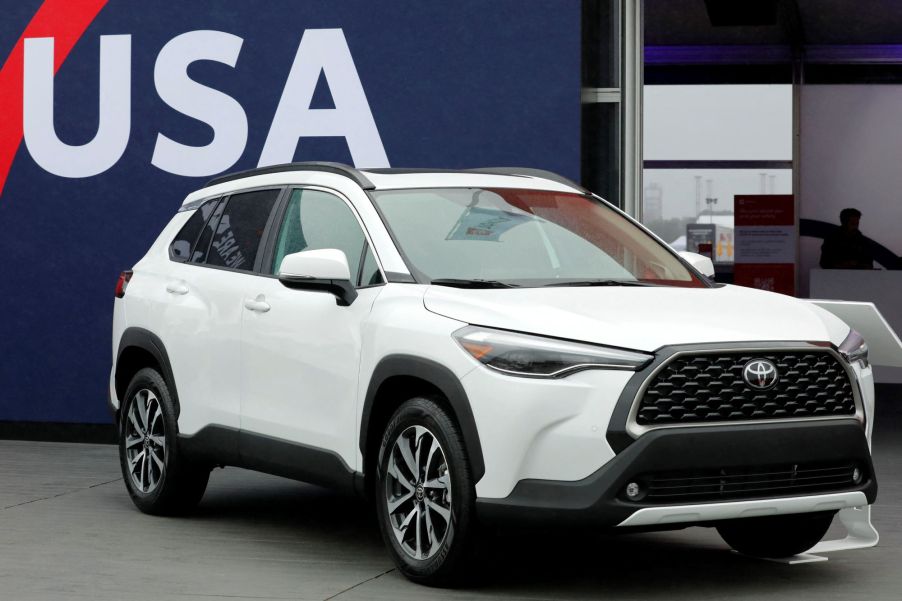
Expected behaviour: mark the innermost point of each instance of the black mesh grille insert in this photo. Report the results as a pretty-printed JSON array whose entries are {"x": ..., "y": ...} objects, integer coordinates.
[
  {"x": 748, "y": 482},
  {"x": 710, "y": 388}
]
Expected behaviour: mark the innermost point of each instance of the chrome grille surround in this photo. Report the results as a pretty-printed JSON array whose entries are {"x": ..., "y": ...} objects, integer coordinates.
[{"x": 756, "y": 350}]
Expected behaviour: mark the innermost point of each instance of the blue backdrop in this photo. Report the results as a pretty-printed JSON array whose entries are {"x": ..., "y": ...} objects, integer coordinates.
[{"x": 450, "y": 84}]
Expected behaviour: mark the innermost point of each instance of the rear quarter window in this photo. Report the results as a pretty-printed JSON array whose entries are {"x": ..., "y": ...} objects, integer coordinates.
[{"x": 185, "y": 240}]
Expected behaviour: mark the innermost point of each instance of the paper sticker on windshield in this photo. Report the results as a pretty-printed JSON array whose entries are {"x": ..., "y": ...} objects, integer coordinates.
[{"x": 485, "y": 224}]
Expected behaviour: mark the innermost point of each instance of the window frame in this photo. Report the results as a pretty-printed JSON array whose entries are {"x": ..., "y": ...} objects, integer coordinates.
[{"x": 278, "y": 219}]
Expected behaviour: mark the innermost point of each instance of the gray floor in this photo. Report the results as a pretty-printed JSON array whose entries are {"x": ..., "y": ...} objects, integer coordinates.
[{"x": 69, "y": 531}]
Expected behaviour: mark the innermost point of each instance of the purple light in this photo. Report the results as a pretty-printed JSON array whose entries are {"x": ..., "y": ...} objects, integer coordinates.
[{"x": 770, "y": 55}]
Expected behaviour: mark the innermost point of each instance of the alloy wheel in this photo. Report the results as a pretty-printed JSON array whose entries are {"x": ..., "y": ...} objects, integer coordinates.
[
  {"x": 145, "y": 441},
  {"x": 418, "y": 492}
]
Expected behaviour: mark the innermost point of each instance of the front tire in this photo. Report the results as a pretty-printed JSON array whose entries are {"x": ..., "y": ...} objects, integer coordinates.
[
  {"x": 425, "y": 494},
  {"x": 158, "y": 479},
  {"x": 776, "y": 537}
]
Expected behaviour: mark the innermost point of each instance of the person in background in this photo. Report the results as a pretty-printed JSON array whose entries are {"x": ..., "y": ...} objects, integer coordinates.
[{"x": 847, "y": 248}]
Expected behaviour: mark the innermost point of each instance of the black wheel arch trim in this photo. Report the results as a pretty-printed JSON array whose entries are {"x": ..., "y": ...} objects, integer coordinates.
[
  {"x": 135, "y": 337},
  {"x": 441, "y": 378}
]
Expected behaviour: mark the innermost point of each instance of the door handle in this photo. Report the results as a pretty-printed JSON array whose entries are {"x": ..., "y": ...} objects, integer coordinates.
[
  {"x": 257, "y": 305},
  {"x": 176, "y": 288}
]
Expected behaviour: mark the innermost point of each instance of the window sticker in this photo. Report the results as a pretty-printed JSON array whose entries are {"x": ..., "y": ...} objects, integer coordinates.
[{"x": 485, "y": 224}]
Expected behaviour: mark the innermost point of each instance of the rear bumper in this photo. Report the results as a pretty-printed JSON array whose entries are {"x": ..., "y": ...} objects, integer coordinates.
[{"x": 599, "y": 498}]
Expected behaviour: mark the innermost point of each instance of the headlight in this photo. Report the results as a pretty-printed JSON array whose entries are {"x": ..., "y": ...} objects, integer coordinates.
[
  {"x": 539, "y": 357},
  {"x": 855, "y": 349}
]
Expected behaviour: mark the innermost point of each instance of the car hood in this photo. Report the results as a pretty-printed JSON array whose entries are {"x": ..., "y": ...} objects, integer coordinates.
[{"x": 641, "y": 318}]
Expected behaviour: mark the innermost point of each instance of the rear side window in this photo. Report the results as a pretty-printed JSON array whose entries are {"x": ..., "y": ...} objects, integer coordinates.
[
  {"x": 180, "y": 249},
  {"x": 240, "y": 229}
]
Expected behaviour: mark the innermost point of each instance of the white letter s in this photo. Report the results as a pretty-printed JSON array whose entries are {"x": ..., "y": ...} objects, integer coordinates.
[{"x": 218, "y": 110}]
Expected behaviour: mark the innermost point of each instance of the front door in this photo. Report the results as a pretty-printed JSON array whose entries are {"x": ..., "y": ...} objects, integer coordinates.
[{"x": 300, "y": 352}]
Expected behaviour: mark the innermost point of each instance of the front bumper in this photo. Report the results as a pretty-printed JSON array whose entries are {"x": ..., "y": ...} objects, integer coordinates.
[{"x": 599, "y": 500}]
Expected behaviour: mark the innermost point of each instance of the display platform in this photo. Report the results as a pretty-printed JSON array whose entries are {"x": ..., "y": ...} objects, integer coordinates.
[{"x": 876, "y": 311}]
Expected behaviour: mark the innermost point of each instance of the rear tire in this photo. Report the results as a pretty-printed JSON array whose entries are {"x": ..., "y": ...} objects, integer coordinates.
[
  {"x": 425, "y": 495},
  {"x": 159, "y": 480},
  {"x": 776, "y": 537}
]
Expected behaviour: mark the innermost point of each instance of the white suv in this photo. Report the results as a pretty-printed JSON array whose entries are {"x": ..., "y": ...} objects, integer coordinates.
[{"x": 477, "y": 345}]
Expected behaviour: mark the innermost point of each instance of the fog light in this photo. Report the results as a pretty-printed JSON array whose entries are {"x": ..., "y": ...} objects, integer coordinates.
[
  {"x": 633, "y": 491},
  {"x": 856, "y": 475}
]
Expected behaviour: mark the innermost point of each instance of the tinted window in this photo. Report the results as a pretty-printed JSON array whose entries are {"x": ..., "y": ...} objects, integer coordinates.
[
  {"x": 199, "y": 254},
  {"x": 180, "y": 249},
  {"x": 316, "y": 220},
  {"x": 240, "y": 229}
]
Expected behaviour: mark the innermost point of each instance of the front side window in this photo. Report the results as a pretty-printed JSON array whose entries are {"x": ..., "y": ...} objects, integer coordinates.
[
  {"x": 240, "y": 229},
  {"x": 316, "y": 220},
  {"x": 525, "y": 238}
]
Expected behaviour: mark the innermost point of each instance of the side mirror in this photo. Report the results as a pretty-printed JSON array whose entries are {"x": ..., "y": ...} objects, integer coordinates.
[
  {"x": 702, "y": 263},
  {"x": 325, "y": 270}
]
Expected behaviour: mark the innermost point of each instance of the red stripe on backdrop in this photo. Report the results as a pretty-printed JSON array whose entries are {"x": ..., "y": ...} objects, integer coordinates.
[{"x": 64, "y": 20}]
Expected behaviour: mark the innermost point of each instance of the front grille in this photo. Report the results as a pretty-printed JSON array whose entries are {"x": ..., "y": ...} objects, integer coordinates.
[
  {"x": 748, "y": 482},
  {"x": 710, "y": 388}
]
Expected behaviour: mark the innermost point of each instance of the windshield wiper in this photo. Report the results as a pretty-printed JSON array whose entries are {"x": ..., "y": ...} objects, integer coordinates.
[
  {"x": 600, "y": 283},
  {"x": 462, "y": 283}
]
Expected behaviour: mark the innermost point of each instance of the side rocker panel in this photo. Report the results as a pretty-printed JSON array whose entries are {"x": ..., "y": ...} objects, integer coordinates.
[{"x": 221, "y": 445}]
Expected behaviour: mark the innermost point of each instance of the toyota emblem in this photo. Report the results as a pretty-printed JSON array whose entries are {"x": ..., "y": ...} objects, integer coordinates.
[{"x": 760, "y": 374}]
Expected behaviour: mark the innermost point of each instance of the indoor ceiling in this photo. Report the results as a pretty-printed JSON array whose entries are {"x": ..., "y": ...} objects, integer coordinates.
[{"x": 776, "y": 22}]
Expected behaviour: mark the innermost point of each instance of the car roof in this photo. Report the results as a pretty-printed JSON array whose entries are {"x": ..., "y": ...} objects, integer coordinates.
[{"x": 384, "y": 179}]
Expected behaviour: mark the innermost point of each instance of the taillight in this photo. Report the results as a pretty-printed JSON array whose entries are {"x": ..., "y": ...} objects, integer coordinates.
[{"x": 122, "y": 283}]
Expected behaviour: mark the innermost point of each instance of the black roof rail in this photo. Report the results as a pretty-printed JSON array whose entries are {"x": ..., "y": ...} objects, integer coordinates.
[
  {"x": 529, "y": 172},
  {"x": 337, "y": 168},
  {"x": 360, "y": 178}
]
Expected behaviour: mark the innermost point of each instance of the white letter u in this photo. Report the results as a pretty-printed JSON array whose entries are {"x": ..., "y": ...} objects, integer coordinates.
[{"x": 114, "y": 127}]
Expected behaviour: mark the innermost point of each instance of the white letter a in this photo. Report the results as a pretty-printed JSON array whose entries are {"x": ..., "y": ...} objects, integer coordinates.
[{"x": 324, "y": 50}]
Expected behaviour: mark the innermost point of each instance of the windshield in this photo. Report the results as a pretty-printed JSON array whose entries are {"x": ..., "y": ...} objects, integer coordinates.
[{"x": 516, "y": 237}]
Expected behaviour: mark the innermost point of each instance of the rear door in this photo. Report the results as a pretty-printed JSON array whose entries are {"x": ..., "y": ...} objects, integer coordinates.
[
  {"x": 202, "y": 321},
  {"x": 300, "y": 352}
]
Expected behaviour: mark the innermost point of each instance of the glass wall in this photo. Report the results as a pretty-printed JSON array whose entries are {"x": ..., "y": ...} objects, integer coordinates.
[
  {"x": 676, "y": 197},
  {"x": 703, "y": 145}
]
